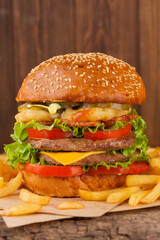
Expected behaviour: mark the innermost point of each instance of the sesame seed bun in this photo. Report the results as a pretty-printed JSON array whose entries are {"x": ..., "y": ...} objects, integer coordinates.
[
  {"x": 78, "y": 77},
  {"x": 68, "y": 186}
]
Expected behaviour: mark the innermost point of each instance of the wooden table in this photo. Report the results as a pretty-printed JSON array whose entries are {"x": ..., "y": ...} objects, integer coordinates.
[{"x": 131, "y": 225}]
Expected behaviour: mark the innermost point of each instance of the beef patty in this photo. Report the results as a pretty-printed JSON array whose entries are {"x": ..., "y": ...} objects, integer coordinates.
[
  {"x": 82, "y": 145},
  {"x": 108, "y": 158}
]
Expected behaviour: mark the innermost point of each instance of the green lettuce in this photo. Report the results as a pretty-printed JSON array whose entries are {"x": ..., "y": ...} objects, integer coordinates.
[
  {"x": 22, "y": 151},
  {"x": 20, "y": 129}
]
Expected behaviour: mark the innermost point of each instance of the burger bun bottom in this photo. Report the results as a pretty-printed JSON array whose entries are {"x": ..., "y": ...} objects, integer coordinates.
[{"x": 68, "y": 186}]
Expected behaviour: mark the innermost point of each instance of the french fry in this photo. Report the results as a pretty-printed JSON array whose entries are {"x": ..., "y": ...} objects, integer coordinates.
[
  {"x": 5, "y": 169},
  {"x": 96, "y": 196},
  {"x": 153, "y": 195},
  {"x": 21, "y": 209},
  {"x": 29, "y": 197},
  {"x": 11, "y": 186},
  {"x": 1, "y": 181},
  {"x": 154, "y": 152},
  {"x": 141, "y": 180},
  {"x": 70, "y": 205},
  {"x": 154, "y": 167},
  {"x": 155, "y": 163},
  {"x": 135, "y": 198},
  {"x": 121, "y": 196}
]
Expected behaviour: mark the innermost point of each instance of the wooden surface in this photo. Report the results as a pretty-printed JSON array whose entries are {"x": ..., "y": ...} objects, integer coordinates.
[
  {"x": 33, "y": 31},
  {"x": 131, "y": 225}
]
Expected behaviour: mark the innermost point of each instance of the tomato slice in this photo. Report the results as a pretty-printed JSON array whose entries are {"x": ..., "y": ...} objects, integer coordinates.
[
  {"x": 55, "y": 133},
  {"x": 134, "y": 168},
  {"x": 54, "y": 171},
  {"x": 102, "y": 135},
  {"x": 69, "y": 171}
]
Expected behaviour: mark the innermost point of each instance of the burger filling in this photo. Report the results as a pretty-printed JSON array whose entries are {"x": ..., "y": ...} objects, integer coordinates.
[{"x": 68, "y": 139}]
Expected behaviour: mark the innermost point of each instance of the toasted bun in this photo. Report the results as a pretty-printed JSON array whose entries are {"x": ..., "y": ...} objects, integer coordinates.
[
  {"x": 68, "y": 186},
  {"x": 91, "y": 77}
]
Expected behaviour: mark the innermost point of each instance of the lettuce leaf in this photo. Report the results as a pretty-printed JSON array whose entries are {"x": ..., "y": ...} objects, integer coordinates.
[
  {"x": 141, "y": 157},
  {"x": 20, "y": 152}
]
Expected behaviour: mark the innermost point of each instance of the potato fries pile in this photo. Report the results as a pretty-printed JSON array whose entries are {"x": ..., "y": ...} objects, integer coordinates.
[
  {"x": 138, "y": 189},
  {"x": 33, "y": 202},
  {"x": 10, "y": 181}
]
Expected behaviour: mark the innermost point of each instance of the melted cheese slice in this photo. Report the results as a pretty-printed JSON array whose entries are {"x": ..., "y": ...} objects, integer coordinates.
[{"x": 67, "y": 158}]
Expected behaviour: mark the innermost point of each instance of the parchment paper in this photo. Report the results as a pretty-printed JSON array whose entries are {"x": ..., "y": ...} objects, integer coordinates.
[{"x": 50, "y": 213}]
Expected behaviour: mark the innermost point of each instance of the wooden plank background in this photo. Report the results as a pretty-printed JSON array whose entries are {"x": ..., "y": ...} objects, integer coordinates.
[{"x": 34, "y": 30}]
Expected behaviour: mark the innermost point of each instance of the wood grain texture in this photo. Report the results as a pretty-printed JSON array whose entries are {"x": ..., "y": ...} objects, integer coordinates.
[
  {"x": 109, "y": 27},
  {"x": 138, "y": 224},
  {"x": 149, "y": 13},
  {"x": 7, "y": 87}
]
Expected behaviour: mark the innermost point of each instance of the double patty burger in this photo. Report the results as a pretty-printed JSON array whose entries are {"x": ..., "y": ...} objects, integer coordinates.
[{"x": 77, "y": 129}]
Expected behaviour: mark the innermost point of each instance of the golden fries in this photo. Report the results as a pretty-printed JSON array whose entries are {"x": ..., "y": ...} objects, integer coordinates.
[
  {"x": 154, "y": 168},
  {"x": 96, "y": 196},
  {"x": 141, "y": 180},
  {"x": 29, "y": 197},
  {"x": 153, "y": 195},
  {"x": 1, "y": 181},
  {"x": 155, "y": 163},
  {"x": 124, "y": 194},
  {"x": 5, "y": 169},
  {"x": 154, "y": 152},
  {"x": 135, "y": 198},
  {"x": 11, "y": 186},
  {"x": 70, "y": 205},
  {"x": 21, "y": 209}
]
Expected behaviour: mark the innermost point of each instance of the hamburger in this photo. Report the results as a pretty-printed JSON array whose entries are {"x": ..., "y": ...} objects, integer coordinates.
[{"x": 77, "y": 128}]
